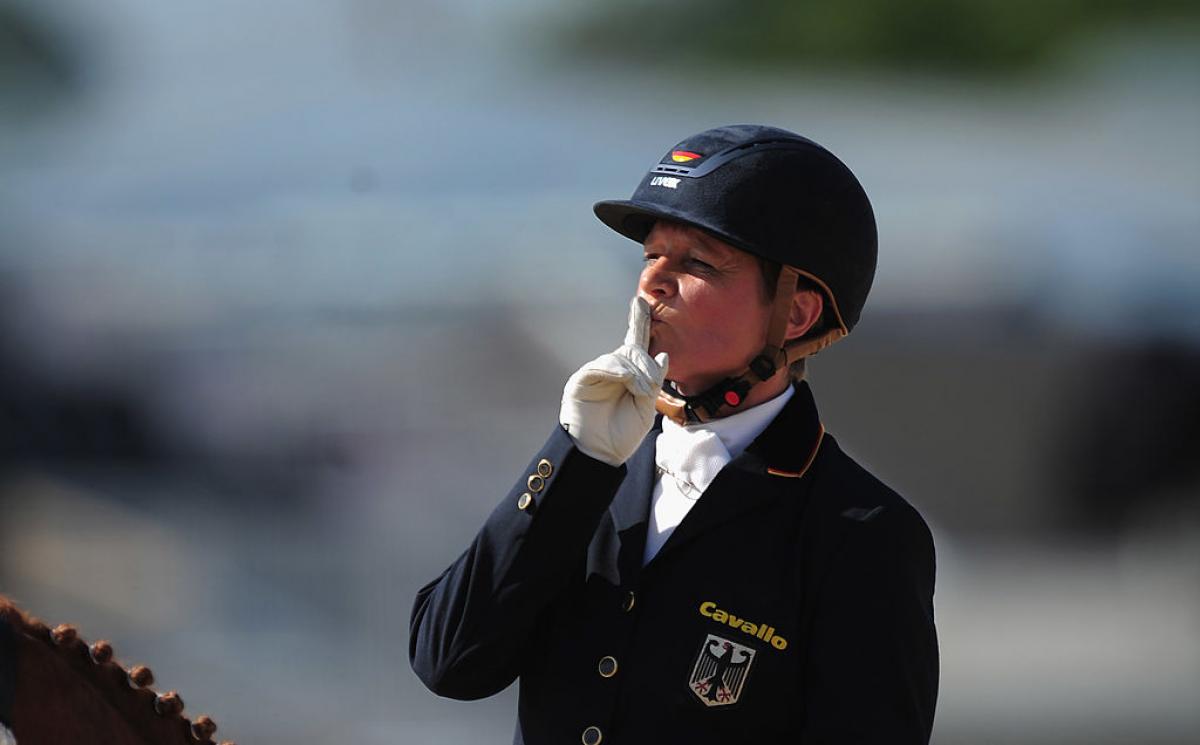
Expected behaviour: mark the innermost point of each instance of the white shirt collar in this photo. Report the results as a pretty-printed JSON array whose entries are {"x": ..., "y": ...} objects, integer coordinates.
[{"x": 737, "y": 431}]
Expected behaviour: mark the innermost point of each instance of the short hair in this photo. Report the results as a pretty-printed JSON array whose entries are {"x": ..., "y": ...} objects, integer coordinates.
[{"x": 770, "y": 278}]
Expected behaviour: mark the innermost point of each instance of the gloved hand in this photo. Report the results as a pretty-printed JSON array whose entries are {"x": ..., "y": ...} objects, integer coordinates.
[{"x": 608, "y": 404}]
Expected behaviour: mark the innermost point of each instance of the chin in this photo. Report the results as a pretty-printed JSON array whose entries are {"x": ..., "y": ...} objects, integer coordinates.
[
  {"x": 685, "y": 383},
  {"x": 655, "y": 346},
  {"x": 690, "y": 382}
]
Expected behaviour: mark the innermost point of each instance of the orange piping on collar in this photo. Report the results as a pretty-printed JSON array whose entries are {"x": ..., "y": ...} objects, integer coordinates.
[{"x": 808, "y": 463}]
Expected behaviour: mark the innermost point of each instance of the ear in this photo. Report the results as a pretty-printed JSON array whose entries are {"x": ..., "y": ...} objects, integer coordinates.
[{"x": 806, "y": 311}]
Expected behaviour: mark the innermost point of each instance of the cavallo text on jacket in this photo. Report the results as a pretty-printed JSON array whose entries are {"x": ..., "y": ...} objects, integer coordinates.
[{"x": 759, "y": 631}]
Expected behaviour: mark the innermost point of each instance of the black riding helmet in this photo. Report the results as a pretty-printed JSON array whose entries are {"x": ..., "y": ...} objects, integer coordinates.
[
  {"x": 771, "y": 193},
  {"x": 779, "y": 196}
]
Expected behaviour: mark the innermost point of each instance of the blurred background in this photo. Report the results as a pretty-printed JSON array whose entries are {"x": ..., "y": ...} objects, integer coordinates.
[{"x": 289, "y": 289}]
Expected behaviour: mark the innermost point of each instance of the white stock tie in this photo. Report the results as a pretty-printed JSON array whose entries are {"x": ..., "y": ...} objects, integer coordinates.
[
  {"x": 688, "y": 460},
  {"x": 691, "y": 456}
]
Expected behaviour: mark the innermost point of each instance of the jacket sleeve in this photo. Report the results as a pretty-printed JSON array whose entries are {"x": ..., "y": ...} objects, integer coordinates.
[
  {"x": 872, "y": 672},
  {"x": 470, "y": 626}
]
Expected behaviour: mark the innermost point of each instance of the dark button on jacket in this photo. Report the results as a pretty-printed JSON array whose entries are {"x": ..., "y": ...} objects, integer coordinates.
[{"x": 794, "y": 603}]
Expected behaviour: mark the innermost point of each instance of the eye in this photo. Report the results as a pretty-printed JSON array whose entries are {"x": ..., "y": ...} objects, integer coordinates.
[{"x": 700, "y": 265}]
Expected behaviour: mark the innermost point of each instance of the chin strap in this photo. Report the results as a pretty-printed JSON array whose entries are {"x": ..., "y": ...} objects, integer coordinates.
[{"x": 730, "y": 393}]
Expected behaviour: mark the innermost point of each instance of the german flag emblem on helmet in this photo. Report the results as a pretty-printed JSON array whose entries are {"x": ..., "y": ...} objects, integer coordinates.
[{"x": 683, "y": 156}]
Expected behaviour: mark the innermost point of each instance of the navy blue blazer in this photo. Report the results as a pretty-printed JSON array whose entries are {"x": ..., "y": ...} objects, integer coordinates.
[{"x": 794, "y": 603}]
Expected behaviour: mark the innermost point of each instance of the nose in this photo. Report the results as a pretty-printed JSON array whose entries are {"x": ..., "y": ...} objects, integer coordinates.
[{"x": 656, "y": 282}]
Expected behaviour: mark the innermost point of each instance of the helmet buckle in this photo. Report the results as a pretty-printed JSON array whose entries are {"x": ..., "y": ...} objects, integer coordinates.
[{"x": 762, "y": 366}]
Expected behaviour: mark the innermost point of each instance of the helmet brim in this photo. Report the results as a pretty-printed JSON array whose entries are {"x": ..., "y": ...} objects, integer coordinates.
[{"x": 634, "y": 219}]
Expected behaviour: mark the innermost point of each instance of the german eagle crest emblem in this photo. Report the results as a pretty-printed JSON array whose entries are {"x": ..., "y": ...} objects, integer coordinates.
[{"x": 720, "y": 671}]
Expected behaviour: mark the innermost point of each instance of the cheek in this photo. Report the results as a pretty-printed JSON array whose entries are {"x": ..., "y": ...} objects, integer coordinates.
[
  {"x": 724, "y": 314},
  {"x": 714, "y": 327},
  {"x": 720, "y": 328}
]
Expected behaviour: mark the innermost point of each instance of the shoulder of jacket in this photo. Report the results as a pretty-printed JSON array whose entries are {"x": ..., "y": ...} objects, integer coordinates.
[{"x": 843, "y": 490}]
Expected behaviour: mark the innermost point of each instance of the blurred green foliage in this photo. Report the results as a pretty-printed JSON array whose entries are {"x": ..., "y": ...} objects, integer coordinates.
[{"x": 958, "y": 36}]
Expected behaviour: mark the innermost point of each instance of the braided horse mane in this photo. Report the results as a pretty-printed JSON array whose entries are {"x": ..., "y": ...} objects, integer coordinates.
[{"x": 70, "y": 692}]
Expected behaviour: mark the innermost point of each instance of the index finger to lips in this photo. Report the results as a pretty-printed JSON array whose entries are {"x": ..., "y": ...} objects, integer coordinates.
[{"x": 638, "y": 334}]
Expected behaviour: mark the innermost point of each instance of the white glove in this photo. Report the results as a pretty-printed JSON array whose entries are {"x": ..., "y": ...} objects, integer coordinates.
[{"x": 608, "y": 404}]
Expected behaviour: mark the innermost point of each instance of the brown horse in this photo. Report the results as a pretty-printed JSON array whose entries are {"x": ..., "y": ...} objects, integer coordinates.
[{"x": 57, "y": 690}]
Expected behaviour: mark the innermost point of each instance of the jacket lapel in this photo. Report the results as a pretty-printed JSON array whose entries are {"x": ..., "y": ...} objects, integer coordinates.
[
  {"x": 617, "y": 556},
  {"x": 767, "y": 470}
]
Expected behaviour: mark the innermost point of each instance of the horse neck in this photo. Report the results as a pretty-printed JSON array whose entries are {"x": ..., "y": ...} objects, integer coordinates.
[
  {"x": 55, "y": 704},
  {"x": 63, "y": 696}
]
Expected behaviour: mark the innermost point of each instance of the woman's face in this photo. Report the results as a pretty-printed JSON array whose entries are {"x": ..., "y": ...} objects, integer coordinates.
[{"x": 709, "y": 307}]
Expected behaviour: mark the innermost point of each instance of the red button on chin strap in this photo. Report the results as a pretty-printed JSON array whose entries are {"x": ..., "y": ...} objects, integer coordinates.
[{"x": 732, "y": 398}]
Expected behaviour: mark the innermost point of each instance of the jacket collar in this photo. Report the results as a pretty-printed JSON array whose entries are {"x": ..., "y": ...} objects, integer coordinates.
[{"x": 788, "y": 446}]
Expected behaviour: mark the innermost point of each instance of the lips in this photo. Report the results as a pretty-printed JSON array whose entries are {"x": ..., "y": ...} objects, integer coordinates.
[{"x": 656, "y": 310}]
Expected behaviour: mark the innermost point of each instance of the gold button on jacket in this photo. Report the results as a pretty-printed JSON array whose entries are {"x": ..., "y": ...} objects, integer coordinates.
[
  {"x": 627, "y": 603},
  {"x": 607, "y": 666}
]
